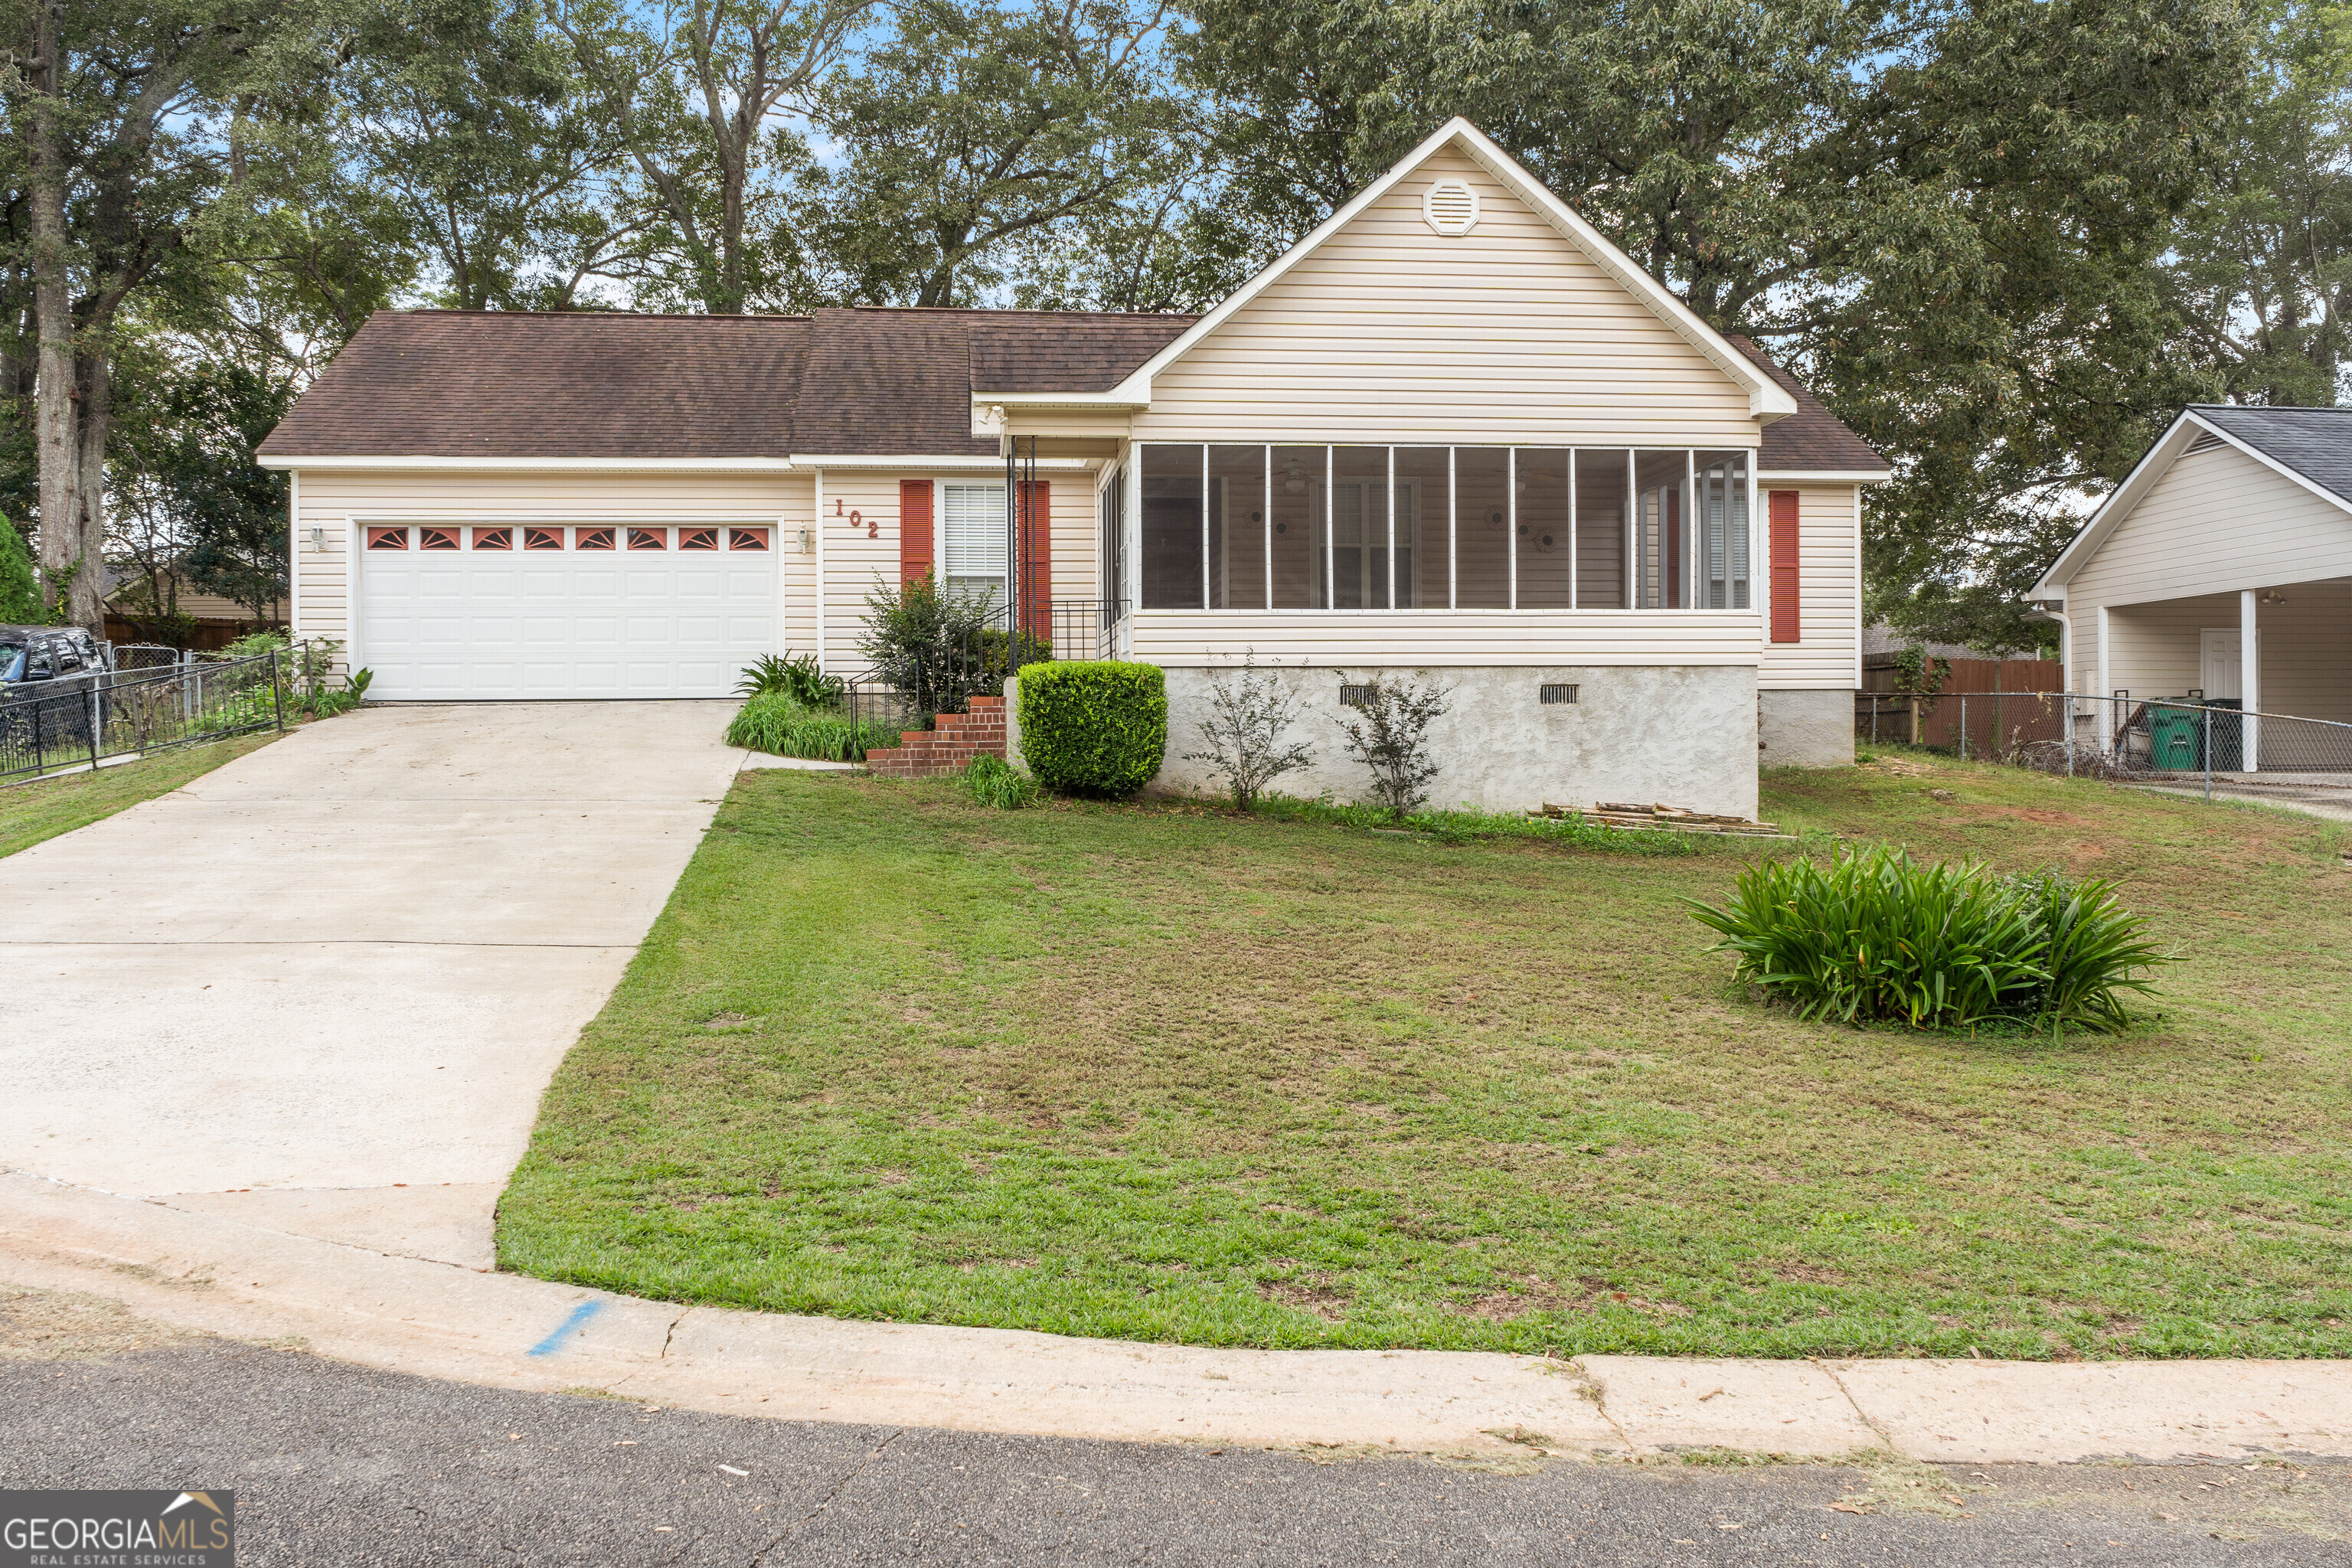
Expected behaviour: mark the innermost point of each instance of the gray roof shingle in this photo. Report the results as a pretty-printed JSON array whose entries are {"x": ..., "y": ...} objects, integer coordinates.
[{"x": 2314, "y": 442}]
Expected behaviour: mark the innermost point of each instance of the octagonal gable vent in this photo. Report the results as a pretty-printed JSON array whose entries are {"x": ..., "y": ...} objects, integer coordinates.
[{"x": 1449, "y": 207}]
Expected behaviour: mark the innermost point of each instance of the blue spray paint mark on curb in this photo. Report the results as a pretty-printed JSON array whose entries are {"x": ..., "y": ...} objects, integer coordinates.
[{"x": 554, "y": 1341}]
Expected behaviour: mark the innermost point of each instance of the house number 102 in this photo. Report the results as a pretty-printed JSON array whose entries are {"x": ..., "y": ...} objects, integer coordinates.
[{"x": 873, "y": 526}]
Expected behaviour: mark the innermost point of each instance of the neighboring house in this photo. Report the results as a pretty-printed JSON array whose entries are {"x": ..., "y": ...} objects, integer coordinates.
[
  {"x": 133, "y": 606},
  {"x": 1452, "y": 430},
  {"x": 2220, "y": 568}
]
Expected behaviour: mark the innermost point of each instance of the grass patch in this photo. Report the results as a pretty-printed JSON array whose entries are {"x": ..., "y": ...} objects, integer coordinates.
[
  {"x": 1163, "y": 1072},
  {"x": 42, "y": 808}
]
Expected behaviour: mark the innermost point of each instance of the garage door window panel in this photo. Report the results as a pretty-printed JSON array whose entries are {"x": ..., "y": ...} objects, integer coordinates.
[
  {"x": 649, "y": 539},
  {"x": 697, "y": 539},
  {"x": 387, "y": 538},
  {"x": 543, "y": 539},
  {"x": 747, "y": 539},
  {"x": 494, "y": 539},
  {"x": 593, "y": 539},
  {"x": 436, "y": 539}
]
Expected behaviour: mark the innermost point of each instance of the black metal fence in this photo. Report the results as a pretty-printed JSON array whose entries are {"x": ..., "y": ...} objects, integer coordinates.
[
  {"x": 124, "y": 713},
  {"x": 913, "y": 684}
]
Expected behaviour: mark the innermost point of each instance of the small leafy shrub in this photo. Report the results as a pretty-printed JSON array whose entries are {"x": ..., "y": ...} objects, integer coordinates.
[
  {"x": 1873, "y": 937},
  {"x": 939, "y": 648},
  {"x": 1242, "y": 738},
  {"x": 1094, "y": 726},
  {"x": 994, "y": 782},
  {"x": 798, "y": 677},
  {"x": 784, "y": 728},
  {"x": 1391, "y": 738}
]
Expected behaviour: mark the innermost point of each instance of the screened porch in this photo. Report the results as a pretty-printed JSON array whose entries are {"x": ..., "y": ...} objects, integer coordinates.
[{"x": 1270, "y": 528}]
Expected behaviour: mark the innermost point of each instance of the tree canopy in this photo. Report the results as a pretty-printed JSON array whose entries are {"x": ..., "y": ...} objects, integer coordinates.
[{"x": 2002, "y": 238}]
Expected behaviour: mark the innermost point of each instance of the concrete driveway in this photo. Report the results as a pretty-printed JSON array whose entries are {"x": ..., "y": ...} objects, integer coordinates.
[{"x": 321, "y": 988}]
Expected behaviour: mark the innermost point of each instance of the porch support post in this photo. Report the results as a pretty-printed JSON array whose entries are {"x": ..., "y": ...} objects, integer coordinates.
[
  {"x": 1392, "y": 572},
  {"x": 1266, "y": 523},
  {"x": 1571, "y": 528},
  {"x": 1453, "y": 549},
  {"x": 2109, "y": 721},
  {"x": 1511, "y": 515},
  {"x": 1204, "y": 526},
  {"x": 2250, "y": 684}
]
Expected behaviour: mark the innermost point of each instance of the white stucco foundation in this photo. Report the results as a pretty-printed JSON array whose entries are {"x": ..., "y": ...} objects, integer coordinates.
[
  {"x": 1683, "y": 734},
  {"x": 1804, "y": 728}
]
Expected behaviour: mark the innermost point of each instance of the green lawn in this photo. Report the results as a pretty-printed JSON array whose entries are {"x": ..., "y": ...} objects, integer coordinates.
[
  {"x": 1172, "y": 1075},
  {"x": 42, "y": 808}
]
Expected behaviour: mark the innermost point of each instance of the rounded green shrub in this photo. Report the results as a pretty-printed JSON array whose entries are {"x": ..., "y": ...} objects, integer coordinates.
[{"x": 1094, "y": 726}]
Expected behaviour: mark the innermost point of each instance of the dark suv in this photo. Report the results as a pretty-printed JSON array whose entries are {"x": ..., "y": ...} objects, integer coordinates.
[{"x": 37, "y": 661}]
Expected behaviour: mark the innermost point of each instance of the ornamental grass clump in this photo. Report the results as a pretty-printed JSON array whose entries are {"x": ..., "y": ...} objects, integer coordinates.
[
  {"x": 1872, "y": 937},
  {"x": 783, "y": 727}
]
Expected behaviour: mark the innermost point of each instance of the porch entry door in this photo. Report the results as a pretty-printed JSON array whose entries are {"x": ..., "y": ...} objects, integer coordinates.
[
  {"x": 2219, "y": 670},
  {"x": 1357, "y": 558}
]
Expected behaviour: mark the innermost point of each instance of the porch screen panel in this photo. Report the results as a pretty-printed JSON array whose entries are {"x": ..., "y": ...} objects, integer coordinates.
[
  {"x": 1297, "y": 523},
  {"x": 1236, "y": 528},
  {"x": 1357, "y": 546},
  {"x": 1661, "y": 558},
  {"x": 1601, "y": 501},
  {"x": 1720, "y": 508},
  {"x": 1420, "y": 514},
  {"x": 1482, "y": 523},
  {"x": 1172, "y": 526},
  {"x": 1543, "y": 534}
]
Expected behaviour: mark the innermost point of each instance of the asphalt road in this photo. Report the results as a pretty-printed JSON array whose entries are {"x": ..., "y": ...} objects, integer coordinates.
[{"x": 333, "y": 1464}]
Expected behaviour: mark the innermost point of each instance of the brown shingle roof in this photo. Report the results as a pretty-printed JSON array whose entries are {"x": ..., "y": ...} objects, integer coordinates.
[
  {"x": 880, "y": 382},
  {"x": 443, "y": 384},
  {"x": 1032, "y": 350},
  {"x": 1813, "y": 440}
]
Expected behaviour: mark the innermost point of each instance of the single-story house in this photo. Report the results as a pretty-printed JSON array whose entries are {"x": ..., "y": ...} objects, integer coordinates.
[
  {"x": 1454, "y": 430},
  {"x": 2221, "y": 570}
]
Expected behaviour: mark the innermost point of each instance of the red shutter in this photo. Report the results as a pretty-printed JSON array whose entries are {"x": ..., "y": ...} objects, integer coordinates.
[
  {"x": 1785, "y": 621},
  {"x": 914, "y": 529},
  {"x": 1037, "y": 558}
]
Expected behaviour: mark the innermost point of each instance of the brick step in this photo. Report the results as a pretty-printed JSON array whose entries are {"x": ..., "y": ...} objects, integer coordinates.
[{"x": 946, "y": 749}]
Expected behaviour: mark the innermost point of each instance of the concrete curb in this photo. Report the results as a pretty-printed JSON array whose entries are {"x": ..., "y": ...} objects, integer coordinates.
[{"x": 434, "y": 1320}]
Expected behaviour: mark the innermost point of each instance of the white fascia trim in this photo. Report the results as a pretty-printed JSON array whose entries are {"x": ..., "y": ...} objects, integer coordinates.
[
  {"x": 1765, "y": 399},
  {"x": 1826, "y": 476},
  {"x": 957, "y": 464},
  {"x": 546, "y": 464},
  {"x": 1103, "y": 402}
]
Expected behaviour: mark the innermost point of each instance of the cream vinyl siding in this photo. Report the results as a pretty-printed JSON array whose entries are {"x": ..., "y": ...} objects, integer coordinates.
[
  {"x": 2306, "y": 651},
  {"x": 330, "y": 498},
  {"x": 1829, "y": 552},
  {"x": 1391, "y": 332},
  {"x": 2305, "y": 646},
  {"x": 2217, "y": 521},
  {"x": 1458, "y": 638},
  {"x": 856, "y": 556}
]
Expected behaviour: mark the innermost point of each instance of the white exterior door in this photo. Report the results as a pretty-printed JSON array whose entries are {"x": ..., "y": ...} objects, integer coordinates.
[
  {"x": 449, "y": 613},
  {"x": 2218, "y": 667}
]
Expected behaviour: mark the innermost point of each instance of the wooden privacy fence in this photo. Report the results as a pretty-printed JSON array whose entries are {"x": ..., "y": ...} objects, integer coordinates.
[{"x": 1975, "y": 723}]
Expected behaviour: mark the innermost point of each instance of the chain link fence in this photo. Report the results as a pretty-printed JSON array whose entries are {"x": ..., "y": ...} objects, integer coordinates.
[{"x": 2164, "y": 740}]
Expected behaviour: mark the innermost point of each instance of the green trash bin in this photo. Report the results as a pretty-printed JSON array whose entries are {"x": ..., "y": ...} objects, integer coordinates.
[{"x": 2176, "y": 739}]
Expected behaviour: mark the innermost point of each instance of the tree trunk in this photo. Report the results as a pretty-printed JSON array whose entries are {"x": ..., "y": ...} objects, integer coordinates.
[{"x": 70, "y": 540}]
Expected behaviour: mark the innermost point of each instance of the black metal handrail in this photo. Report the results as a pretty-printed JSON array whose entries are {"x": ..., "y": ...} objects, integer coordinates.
[{"x": 944, "y": 678}]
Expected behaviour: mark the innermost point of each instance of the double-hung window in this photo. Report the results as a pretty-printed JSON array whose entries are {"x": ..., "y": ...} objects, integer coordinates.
[{"x": 971, "y": 539}]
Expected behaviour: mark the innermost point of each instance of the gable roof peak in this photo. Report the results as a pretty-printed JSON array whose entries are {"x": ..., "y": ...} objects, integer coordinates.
[{"x": 1766, "y": 399}]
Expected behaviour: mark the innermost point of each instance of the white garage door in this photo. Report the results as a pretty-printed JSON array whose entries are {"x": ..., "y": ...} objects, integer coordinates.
[{"x": 459, "y": 612}]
